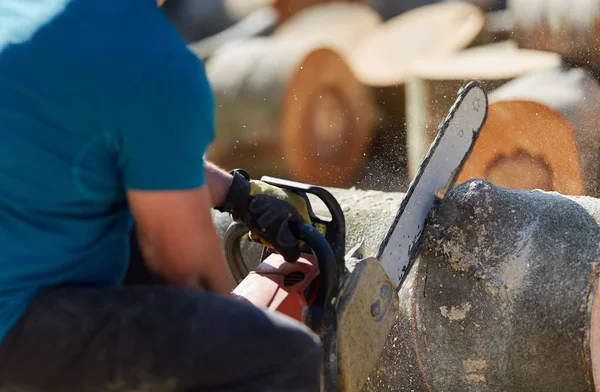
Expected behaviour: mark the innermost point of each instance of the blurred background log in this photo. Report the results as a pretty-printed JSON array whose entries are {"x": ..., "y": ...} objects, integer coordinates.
[
  {"x": 543, "y": 131},
  {"x": 290, "y": 108},
  {"x": 569, "y": 28},
  {"x": 434, "y": 84}
]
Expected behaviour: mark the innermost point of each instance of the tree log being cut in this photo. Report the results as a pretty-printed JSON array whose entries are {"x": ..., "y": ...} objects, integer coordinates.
[
  {"x": 290, "y": 108},
  {"x": 502, "y": 297},
  {"x": 434, "y": 82},
  {"x": 543, "y": 131},
  {"x": 569, "y": 28}
]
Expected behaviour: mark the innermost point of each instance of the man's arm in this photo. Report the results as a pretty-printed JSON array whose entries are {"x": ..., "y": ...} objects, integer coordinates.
[
  {"x": 178, "y": 239},
  {"x": 161, "y": 217}
]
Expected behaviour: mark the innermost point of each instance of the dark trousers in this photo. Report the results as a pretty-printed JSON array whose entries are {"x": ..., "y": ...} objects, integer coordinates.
[{"x": 149, "y": 338}]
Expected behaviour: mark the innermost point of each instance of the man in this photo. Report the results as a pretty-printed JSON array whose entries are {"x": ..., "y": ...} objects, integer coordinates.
[{"x": 104, "y": 117}]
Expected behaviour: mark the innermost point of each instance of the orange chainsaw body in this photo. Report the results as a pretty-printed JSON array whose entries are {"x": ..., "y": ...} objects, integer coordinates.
[{"x": 281, "y": 286}]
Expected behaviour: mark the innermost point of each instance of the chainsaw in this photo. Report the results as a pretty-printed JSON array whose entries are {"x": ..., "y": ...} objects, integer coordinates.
[{"x": 350, "y": 300}]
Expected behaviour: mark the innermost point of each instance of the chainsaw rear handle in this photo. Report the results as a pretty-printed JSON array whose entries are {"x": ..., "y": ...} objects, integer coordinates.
[{"x": 328, "y": 268}]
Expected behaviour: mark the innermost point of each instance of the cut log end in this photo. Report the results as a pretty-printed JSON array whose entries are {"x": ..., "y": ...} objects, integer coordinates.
[
  {"x": 327, "y": 123},
  {"x": 384, "y": 56},
  {"x": 298, "y": 100},
  {"x": 526, "y": 145}
]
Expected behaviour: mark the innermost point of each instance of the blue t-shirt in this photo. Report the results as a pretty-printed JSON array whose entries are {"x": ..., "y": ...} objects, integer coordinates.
[{"x": 96, "y": 97}]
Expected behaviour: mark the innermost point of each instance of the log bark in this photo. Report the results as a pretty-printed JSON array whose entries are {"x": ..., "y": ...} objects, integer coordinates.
[
  {"x": 542, "y": 132},
  {"x": 569, "y": 28},
  {"x": 434, "y": 82},
  {"x": 502, "y": 292},
  {"x": 290, "y": 108},
  {"x": 501, "y": 296}
]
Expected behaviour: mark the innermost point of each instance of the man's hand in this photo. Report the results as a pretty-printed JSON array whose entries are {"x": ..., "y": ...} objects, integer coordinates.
[{"x": 267, "y": 211}]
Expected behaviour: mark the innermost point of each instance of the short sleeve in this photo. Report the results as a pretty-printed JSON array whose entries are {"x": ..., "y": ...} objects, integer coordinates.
[{"x": 168, "y": 124}]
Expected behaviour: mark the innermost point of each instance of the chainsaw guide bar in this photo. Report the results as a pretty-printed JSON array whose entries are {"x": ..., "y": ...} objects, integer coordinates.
[{"x": 437, "y": 174}]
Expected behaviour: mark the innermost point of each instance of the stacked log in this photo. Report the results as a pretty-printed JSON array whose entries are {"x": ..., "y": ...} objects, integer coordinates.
[
  {"x": 569, "y": 28},
  {"x": 502, "y": 298},
  {"x": 290, "y": 108},
  {"x": 433, "y": 84},
  {"x": 543, "y": 131}
]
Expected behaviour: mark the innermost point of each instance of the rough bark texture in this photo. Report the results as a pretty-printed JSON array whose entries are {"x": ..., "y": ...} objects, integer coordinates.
[{"x": 500, "y": 297}]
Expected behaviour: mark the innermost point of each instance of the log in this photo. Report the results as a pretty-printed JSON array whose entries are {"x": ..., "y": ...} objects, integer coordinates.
[
  {"x": 543, "y": 131},
  {"x": 512, "y": 311},
  {"x": 482, "y": 311},
  {"x": 340, "y": 24},
  {"x": 290, "y": 108},
  {"x": 569, "y": 28},
  {"x": 434, "y": 82}
]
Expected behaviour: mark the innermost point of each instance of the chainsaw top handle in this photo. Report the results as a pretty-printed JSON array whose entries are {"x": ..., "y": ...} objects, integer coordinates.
[
  {"x": 335, "y": 226},
  {"x": 328, "y": 268}
]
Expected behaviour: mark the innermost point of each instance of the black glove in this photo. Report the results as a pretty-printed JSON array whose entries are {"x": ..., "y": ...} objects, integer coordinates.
[{"x": 267, "y": 211}]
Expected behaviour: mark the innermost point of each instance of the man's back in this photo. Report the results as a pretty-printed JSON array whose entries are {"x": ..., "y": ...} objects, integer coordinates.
[{"x": 71, "y": 72}]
